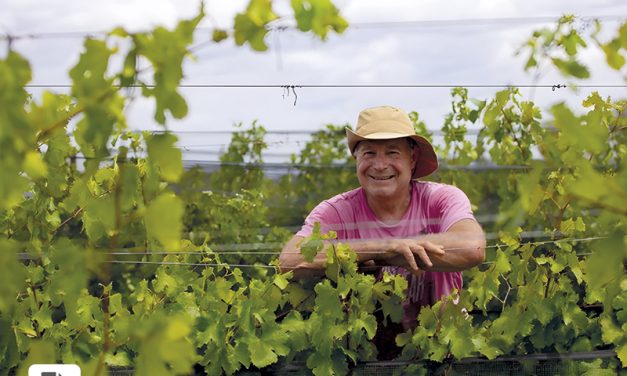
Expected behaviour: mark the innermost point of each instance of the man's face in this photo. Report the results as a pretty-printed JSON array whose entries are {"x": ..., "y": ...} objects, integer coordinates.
[{"x": 384, "y": 167}]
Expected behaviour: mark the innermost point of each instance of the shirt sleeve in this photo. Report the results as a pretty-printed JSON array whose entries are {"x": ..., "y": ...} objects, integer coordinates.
[
  {"x": 325, "y": 214},
  {"x": 450, "y": 205}
]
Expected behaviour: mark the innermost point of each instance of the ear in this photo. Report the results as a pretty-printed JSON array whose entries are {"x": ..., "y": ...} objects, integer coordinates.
[{"x": 415, "y": 157}]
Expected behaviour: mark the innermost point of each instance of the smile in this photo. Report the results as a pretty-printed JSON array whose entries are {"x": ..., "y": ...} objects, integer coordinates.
[{"x": 382, "y": 177}]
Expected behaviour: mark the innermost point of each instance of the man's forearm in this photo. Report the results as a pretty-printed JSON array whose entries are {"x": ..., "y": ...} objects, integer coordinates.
[
  {"x": 462, "y": 250},
  {"x": 463, "y": 244},
  {"x": 367, "y": 251},
  {"x": 371, "y": 252}
]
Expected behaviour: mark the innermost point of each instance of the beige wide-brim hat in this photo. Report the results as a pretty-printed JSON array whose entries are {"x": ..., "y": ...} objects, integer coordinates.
[{"x": 386, "y": 122}]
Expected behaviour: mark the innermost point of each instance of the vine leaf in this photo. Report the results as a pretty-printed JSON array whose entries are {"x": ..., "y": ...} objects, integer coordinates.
[
  {"x": 41, "y": 352},
  {"x": 313, "y": 244},
  {"x": 162, "y": 151},
  {"x": 250, "y": 26},
  {"x": 163, "y": 220},
  {"x": 318, "y": 16}
]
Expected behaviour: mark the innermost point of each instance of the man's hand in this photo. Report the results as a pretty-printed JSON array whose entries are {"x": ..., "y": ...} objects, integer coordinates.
[
  {"x": 464, "y": 243},
  {"x": 405, "y": 252}
]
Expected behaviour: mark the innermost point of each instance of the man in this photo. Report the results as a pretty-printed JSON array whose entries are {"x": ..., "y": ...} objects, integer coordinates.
[{"x": 423, "y": 230}]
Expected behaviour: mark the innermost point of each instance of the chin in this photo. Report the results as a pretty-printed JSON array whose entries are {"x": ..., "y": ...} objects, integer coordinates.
[{"x": 382, "y": 192}]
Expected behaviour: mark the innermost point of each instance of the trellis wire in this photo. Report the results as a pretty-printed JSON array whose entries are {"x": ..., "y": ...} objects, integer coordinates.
[
  {"x": 247, "y": 247},
  {"x": 459, "y": 22},
  {"x": 349, "y": 86},
  {"x": 543, "y": 364},
  {"x": 276, "y": 245},
  {"x": 340, "y": 166},
  {"x": 209, "y": 253}
]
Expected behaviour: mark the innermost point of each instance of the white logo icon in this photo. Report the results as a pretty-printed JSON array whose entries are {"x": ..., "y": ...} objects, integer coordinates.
[{"x": 54, "y": 370}]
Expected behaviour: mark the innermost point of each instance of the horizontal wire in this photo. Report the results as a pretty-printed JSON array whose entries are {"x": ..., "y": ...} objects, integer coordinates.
[
  {"x": 284, "y": 165},
  {"x": 220, "y": 152},
  {"x": 236, "y": 248},
  {"x": 232, "y": 249},
  {"x": 206, "y": 253},
  {"x": 350, "y": 86},
  {"x": 267, "y": 143},
  {"x": 276, "y": 245},
  {"x": 230, "y": 132},
  {"x": 176, "y": 263},
  {"x": 357, "y": 25},
  {"x": 236, "y": 253},
  {"x": 196, "y": 264},
  {"x": 204, "y": 148},
  {"x": 271, "y": 165},
  {"x": 52, "y": 35},
  {"x": 480, "y": 21},
  {"x": 562, "y": 356},
  {"x": 309, "y": 132}
]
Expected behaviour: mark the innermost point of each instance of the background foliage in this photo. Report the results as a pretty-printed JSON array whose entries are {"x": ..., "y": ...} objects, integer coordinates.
[{"x": 113, "y": 255}]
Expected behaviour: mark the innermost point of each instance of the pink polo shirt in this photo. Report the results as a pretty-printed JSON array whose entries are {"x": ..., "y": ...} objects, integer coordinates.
[{"x": 434, "y": 208}]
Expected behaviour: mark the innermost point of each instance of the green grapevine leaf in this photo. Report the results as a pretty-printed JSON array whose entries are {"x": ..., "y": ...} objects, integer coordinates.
[
  {"x": 41, "y": 352},
  {"x": 166, "y": 50},
  {"x": 43, "y": 318},
  {"x": 166, "y": 156},
  {"x": 571, "y": 68},
  {"x": 313, "y": 244},
  {"x": 12, "y": 280},
  {"x": 613, "y": 57},
  {"x": 34, "y": 165},
  {"x": 621, "y": 351},
  {"x": 484, "y": 347},
  {"x": 327, "y": 300},
  {"x": 99, "y": 218},
  {"x": 163, "y": 220},
  {"x": 318, "y": 16},
  {"x": 251, "y": 26},
  {"x": 261, "y": 355},
  {"x": 165, "y": 348}
]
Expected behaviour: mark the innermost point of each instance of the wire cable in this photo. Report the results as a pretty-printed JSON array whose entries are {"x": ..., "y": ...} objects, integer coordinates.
[
  {"x": 352, "y": 86},
  {"x": 215, "y": 265},
  {"x": 460, "y": 22},
  {"x": 503, "y": 21},
  {"x": 172, "y": 263},
  {"x": 224, "y": 264},
  {"x": 339, "y": 166},
  {"x": 290, "y": 132},
  {"x": 223, "y": 251}
]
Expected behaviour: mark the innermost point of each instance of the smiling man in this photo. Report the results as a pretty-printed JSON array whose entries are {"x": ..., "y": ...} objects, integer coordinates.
[{"x": 424, "y": 231}]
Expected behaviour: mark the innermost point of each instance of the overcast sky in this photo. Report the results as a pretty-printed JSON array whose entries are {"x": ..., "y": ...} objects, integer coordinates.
[{"x": 451, "y": 53}]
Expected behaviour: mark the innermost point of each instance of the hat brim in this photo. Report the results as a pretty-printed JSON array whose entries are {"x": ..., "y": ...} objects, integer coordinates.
[{"x": 427, "y": 161}]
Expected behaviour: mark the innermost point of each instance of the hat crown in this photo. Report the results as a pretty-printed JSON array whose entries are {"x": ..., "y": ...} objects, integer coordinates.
[
  {"x": 386, "y": 119},
  {"x": 385, "y": 123}
]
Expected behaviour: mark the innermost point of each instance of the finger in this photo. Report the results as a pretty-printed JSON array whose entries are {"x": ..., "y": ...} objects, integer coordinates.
[
  {"x": 409, "y": 258},
  {"x": 420, "y": 252},
  {"x": 433, "y": 248},
  {"x": 417, "y": 273}
]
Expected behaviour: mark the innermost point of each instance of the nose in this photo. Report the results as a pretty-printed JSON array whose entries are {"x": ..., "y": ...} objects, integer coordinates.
[{"x": 380, "y": 162}]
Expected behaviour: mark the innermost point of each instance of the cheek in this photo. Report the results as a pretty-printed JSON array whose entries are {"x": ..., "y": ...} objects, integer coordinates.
[
  {"x": 361, "y": 165},
  {"x": 404, "y": 165}
]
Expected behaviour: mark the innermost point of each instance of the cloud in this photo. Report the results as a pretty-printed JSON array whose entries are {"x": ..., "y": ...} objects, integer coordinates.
[
  {"x": 29, "y": 16},
  {"x": 448, "y": 53}
]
